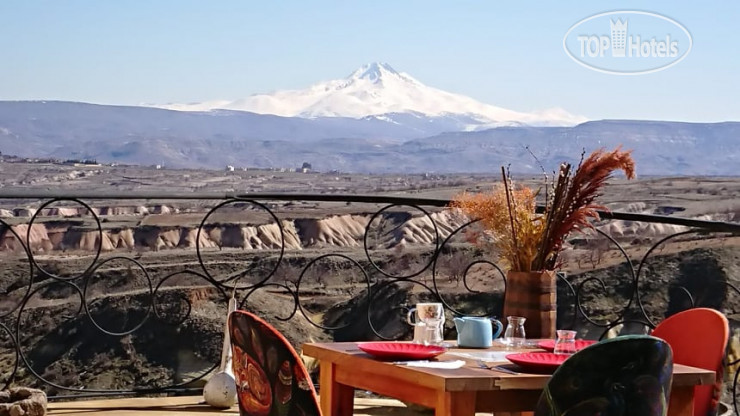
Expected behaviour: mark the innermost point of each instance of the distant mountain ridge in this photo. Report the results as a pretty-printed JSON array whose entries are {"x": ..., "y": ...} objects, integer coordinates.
[
  {"x": 378, "y": 90},
  {"x": 410, "y": 144}
]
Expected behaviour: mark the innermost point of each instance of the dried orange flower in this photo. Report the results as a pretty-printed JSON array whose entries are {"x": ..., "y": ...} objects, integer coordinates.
[
  {"x": 528, "y": 241},
  {"x": 497, "y": 213}
]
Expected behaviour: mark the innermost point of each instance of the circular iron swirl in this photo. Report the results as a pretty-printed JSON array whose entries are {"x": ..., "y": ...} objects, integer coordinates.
[
  {"x": 300, "y": 279},
  {"x": 236, "y": 277},
  {"x": 30, "y": 271},
  {"x": 87, "y": 306},
  {"x": 367, "y": 249},
  {"x": 99, "y": 245}
]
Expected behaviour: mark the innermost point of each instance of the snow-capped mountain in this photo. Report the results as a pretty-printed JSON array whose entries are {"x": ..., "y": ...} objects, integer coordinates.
[
  {"x": 214, "y": 139},
  {"x": 377, "y": 90}
]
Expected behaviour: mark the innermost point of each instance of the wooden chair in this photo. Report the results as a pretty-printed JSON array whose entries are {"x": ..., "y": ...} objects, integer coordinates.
[
  {"x": 628, "y": 375},
  {"x": 270, "y": 376},
  {"x": 698, "y": 338}
]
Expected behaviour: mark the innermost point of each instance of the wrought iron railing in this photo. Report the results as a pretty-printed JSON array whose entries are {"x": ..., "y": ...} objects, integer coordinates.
[{"x": 107, "y": 294}]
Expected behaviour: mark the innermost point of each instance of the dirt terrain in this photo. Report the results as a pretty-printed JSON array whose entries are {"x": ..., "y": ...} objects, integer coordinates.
[{"x": 150, "y": 312}]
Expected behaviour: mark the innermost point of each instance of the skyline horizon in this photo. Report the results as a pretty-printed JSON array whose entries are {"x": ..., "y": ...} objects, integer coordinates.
[
  {"x": 506, "y": 55},
  {"x": 162, "y": 106}
]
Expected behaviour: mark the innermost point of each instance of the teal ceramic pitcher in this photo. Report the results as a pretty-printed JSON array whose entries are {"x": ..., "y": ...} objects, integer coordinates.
[{"x": 477, "y": 332}]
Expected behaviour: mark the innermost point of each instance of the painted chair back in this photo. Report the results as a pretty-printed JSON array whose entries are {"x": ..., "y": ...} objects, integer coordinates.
[
  {"x": 628, "y": 375},
  {"x": 271, "y": 379},
  {"x": 699, "y": 338}
]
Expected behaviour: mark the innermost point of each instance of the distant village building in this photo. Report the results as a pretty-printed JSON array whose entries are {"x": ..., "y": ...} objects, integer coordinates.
[
  {"x": 230, "y": 168},
  {"x": 78, "y": 162}
]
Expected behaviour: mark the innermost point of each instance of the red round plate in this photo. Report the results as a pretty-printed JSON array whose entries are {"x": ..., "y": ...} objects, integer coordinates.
[
  {"x": 400, "y": 350},
  {"x": 538, "y": 362},
  {"x": 549, "y": 344}
]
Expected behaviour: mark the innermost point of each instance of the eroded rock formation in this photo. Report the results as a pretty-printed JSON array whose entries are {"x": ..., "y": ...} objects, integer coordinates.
[{"x": 337, "y": 230}]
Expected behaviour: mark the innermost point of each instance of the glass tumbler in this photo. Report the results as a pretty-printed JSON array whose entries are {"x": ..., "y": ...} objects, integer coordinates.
[
  {"x": 566, "y": 342},
  {"x": 514, "y": 334},
  {"x": 433, "y": 331}
]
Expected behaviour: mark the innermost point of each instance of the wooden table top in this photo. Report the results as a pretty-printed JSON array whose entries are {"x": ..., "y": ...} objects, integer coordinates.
[{"x": 467, "y": 378}]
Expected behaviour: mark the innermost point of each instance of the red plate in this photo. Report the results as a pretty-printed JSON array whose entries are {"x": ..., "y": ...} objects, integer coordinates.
[
  {"x": 549, "y": 344},
  {"x": 400, "y": 350},
  {"x": 538, "y": 362}
]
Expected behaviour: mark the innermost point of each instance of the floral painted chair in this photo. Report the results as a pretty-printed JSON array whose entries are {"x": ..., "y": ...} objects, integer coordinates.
[
  {"x": 628, "y": 375},
  {"x": 271, "y": 379}
]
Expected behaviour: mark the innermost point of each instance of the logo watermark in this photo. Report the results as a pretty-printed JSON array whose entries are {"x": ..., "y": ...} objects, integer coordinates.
[{"x": 627, "y": 42}]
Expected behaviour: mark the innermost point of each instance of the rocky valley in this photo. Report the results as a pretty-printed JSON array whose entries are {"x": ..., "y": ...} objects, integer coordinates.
[{"x": 123, "y": 290}]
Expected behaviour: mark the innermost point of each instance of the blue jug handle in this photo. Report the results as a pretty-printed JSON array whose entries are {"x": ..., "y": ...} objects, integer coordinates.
[{"x": 499, "y": 327}]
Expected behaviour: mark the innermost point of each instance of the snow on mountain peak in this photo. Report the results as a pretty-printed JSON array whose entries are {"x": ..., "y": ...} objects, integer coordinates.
[
  {"x": 374, "y": 72},
  {"x": 376, "y": 89}
]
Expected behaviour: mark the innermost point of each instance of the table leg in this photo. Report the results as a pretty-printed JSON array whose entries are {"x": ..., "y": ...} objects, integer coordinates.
[
  {"x": 460, "y": 403},
  {"x": 335, "y": 399},
  {"x": 682, "y": 401}
]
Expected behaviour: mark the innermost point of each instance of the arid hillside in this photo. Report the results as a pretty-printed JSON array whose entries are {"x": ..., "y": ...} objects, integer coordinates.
[{"x": 124, "y": 288}]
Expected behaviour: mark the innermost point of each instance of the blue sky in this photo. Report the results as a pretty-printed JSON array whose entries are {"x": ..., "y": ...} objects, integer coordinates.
[{"x": 508, "y": 54}]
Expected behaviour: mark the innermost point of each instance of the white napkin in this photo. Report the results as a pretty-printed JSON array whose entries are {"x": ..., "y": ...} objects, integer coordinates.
[
  {"x": 433, "y": 364},
  {"x": 487, "y": 356}
]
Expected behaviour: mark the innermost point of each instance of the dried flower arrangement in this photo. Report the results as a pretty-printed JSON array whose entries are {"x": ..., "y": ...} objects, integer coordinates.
[{"x": 531, "y": 241}]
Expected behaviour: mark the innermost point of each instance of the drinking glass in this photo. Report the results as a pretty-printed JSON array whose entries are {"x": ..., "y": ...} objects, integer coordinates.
[
  {"x": 514, "y": 334},
  {"x": 432, "y": 331},
  {"x": 566, "y": 342},
  {"x": 420, "y": 315}
]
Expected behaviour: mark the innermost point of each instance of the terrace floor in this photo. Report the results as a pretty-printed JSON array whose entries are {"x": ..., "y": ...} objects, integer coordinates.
[{"x": 193, "y": 405}]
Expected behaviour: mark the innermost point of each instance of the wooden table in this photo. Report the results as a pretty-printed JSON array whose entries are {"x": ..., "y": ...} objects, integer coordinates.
[{"x": 459, "y": 392}]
